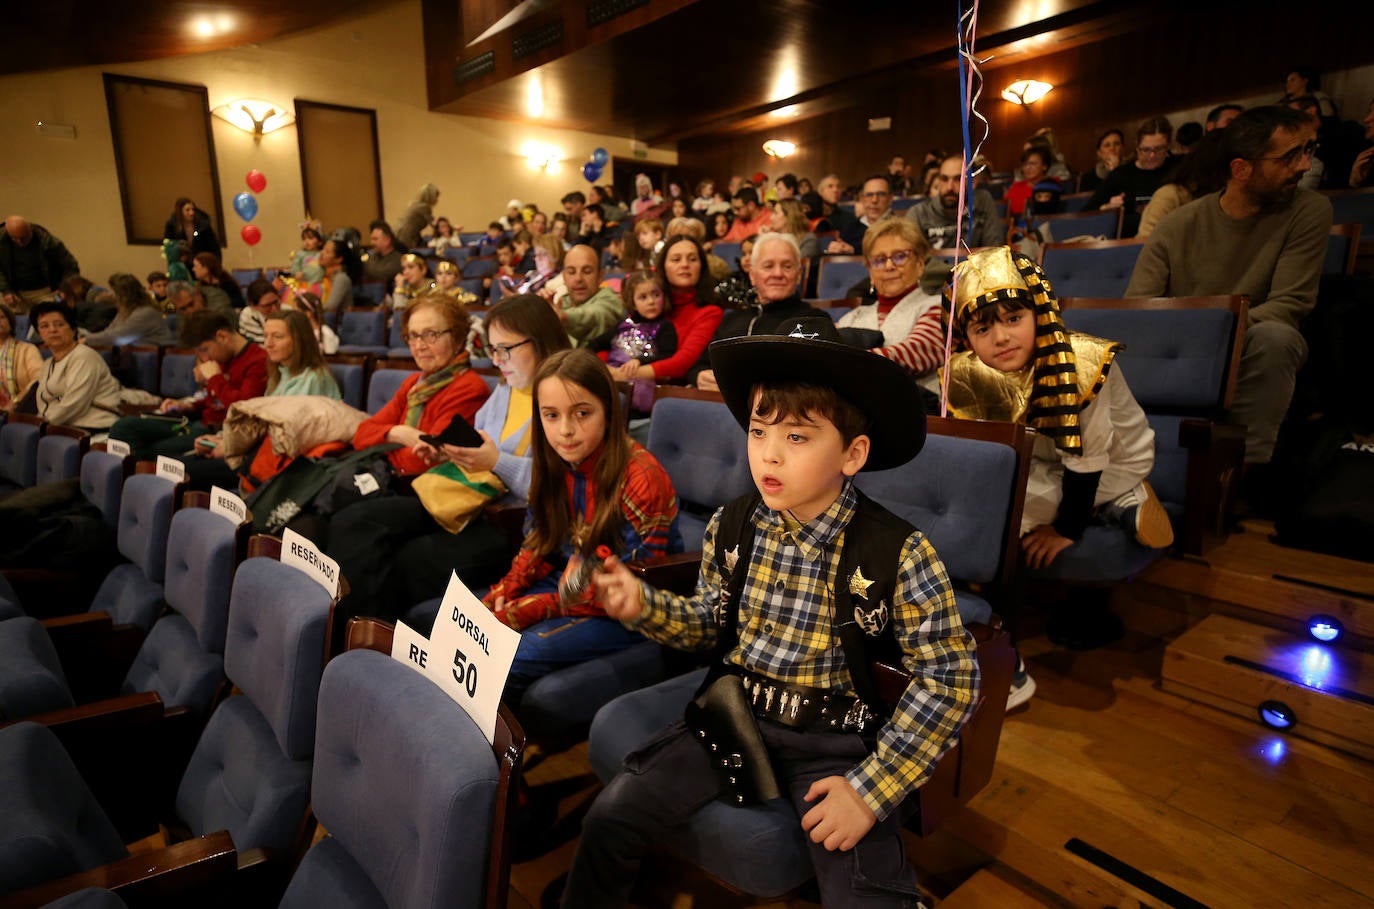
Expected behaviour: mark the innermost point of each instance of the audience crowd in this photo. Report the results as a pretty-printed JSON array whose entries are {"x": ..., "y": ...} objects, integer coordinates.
[{"x": 556, "y": 308}]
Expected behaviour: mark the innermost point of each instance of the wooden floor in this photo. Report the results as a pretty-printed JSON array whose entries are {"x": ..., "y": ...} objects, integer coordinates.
[{"x": 1186, "y": 805}]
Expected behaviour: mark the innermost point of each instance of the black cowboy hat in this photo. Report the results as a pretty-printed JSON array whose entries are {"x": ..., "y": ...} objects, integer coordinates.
[{"x": 809, "y": 350}]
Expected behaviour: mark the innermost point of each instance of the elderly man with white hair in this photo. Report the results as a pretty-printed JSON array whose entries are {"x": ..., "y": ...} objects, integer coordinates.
[{"x": 775, "y": 270}]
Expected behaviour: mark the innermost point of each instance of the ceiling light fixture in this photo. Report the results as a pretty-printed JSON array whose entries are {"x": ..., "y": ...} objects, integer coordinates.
[
  {"x": 778, "y": 148},
  {"x": 253, "y": 115},
  {"x": 212, "y": 26},
  {"x": 1026, "y": 91}
]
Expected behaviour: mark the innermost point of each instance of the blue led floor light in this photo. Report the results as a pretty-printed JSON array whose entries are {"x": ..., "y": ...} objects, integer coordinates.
[
  {"x": 1277, "y": 715},
  {"x": 1325, "y": 628}
]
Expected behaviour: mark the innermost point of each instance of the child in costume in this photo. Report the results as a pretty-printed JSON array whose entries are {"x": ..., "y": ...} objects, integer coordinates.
[
  {"x": 644, "y": 336},
  {"x": 591, "y": 485},
  {"x": 1094, "y": 447},
  {"x": 305, "y": 262},
  {"x": 779, "y": 601}
]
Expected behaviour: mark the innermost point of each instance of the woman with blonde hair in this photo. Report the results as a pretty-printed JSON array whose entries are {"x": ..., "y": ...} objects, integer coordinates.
[
  {"x": 895, "y": 252},
  {"x": 790, "y": 218}
]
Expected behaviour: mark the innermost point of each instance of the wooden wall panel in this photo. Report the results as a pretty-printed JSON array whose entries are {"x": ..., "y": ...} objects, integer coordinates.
[{"x": 1196, "y": 61}]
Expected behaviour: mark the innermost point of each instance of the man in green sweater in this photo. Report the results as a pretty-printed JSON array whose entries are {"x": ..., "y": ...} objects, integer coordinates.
[
  {"x": 587, "y": 309},
  {"x": 1261, "y": 236}
]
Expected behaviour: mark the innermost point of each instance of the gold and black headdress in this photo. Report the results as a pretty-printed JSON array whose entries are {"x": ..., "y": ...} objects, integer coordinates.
[{"x": 1065, "y": 373}]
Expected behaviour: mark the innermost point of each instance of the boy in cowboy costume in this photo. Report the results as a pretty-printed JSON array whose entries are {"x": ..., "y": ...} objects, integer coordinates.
[
  {"x": 800, "y": 585},
  {"x": 1094, "y": 447}
]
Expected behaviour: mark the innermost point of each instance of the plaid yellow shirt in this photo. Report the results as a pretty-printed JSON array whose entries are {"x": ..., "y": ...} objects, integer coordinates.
[{"x": 786, "y": 620}]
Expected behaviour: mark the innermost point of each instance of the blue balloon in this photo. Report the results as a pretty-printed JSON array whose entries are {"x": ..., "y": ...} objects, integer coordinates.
[
  {"x": 246, "y": 206},
  {"x": 591, "y": 172},
  {"x": 600, "y": 157}
]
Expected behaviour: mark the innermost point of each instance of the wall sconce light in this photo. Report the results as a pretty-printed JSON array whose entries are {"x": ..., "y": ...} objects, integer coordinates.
[
  {"x": 541, "y": 157},
  {"x": 1026, "y": 91},
  {"x": 254, "y": 116},
  {"x": 778, "y": 148}
]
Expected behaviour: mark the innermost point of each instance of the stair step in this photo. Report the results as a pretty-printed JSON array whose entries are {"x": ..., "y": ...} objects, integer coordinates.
[
  {"x": 1292, "y": 584},
  {"x": 989, "y": 888},
  {"x": 1236, "y": 666}
]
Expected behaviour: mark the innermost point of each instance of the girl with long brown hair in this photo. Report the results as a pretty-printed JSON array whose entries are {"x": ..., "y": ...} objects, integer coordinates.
[{"x": 592, "y": 487}]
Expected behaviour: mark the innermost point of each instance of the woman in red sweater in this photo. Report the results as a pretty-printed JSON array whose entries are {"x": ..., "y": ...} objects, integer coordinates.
[
  {"x": 435, "y": 328},
  {"x": 695, "y": 310},
  {"x": 364, "y": 537}
]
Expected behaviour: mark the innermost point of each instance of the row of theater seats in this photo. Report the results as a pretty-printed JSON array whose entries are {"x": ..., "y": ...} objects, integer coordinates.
[
  {"x": 195, "y": 708},
  {"x": 33, "y": 451},
  {"x": 1099, "y": 268},
  {"x": 964, "y": 491}
]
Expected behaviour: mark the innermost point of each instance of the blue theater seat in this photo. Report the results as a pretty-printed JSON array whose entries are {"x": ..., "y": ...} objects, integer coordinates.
[
  {"x": 410, "y": 791},
  {"x": 1099, "y": 269}
]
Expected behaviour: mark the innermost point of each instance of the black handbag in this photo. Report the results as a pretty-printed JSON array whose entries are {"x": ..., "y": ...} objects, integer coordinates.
[{"x": 723, "y": 721}]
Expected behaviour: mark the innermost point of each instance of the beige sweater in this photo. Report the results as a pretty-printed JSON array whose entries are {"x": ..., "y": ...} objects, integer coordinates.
[{"x": 1275, "y": 259}]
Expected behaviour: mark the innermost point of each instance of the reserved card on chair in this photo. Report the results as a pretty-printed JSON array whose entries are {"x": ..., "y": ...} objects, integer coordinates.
[{"x": 469, "y": 654}]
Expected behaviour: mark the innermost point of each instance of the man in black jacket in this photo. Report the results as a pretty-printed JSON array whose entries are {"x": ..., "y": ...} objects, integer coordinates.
[
  {"x": 774, "y": 269},
  {"x": 33, "y": 264}
]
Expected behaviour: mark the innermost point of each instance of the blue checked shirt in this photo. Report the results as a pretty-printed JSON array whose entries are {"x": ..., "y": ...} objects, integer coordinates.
[{"x": 786, "y": 620}]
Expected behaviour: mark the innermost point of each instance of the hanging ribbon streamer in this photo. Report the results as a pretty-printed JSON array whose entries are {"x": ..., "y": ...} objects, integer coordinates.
[{"x": 970, "y": 90}]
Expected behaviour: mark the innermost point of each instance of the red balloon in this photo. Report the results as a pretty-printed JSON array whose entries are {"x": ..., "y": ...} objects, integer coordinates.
[
  {"x": 256, "y": 181},
  {"x": 251, "y": 235}
]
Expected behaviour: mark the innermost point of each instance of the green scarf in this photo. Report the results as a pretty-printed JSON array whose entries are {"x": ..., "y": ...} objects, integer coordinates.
[{"x": 431, "y": 385}]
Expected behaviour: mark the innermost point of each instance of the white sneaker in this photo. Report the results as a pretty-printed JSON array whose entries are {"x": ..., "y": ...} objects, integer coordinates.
[
  {"x": 1142, "y": 514},
  {"x": 1022, "y": 686}
]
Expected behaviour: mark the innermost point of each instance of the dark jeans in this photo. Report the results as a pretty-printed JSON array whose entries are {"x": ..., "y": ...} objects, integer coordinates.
[
  {"x": 149, "y": 437},
  {"x": 553, "y": 644},
  {"x": 663, "y": 783},
  {"x": 394, "y": 555}
]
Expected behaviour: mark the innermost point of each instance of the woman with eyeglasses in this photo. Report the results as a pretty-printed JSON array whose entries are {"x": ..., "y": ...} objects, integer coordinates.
[
  {"x": 909, "y": 318},
  {"x": 435, "y": 329},
  {"x": 1204, "y": 170},
  {"x": 1131, "y": 185},
  {"x": 393, "y": 552}
]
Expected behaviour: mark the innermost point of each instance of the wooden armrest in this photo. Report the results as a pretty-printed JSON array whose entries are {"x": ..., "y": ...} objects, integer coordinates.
[
  {"x": 112, "y": 714},
  {"x": 968, "y": 766},
  {"x": 677, "y": 573},
  {"x": 147, "y": 876},
  {"x": 1216, "y": 454},
  {"x": 366, "y": 633},
  {"x": 78, "y": 623}
]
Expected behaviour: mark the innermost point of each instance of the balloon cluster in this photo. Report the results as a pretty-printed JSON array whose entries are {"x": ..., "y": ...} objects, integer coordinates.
[
  {"x": 246, "y": 205},
  {"x": 593, "y": 168}
]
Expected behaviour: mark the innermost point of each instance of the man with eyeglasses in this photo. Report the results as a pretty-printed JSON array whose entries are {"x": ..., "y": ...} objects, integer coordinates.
[
  {"x": 586, "y": 309},
  {"x": 750, "y": 217},
  {"x": 875, "y": 204},
  {"x": 1131, "y": 185},
  {"x": 1262, "y": 236}
]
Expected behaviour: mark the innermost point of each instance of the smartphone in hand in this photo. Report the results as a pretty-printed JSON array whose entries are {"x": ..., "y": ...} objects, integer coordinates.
[{"x": 459, "y": 433}]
